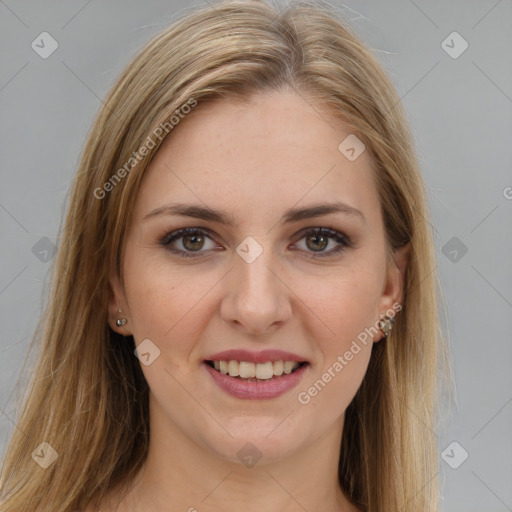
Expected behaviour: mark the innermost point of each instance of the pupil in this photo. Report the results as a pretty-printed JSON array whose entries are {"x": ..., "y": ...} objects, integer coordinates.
[
  {"x": 196, "y": 237},
  {"x": 316, "y": 237}
]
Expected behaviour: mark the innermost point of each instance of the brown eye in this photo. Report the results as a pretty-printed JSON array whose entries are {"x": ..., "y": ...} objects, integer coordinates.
[
  {"x": 317, "y": 240},
  {"x": 192, "y": 241}
]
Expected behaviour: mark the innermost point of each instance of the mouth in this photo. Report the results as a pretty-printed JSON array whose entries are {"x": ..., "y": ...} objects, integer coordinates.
[
  {"x": 256, "y": 372},
  {"x": 256, "y": 381}
]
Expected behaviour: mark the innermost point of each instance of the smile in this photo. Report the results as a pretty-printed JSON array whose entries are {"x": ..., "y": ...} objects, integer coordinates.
[
  {"x": 255, "y": 371},
  {"x": 256, "y": 380}
]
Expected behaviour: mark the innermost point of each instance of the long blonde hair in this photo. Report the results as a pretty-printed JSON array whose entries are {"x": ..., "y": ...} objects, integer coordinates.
[{"x": 88, "y": 398}]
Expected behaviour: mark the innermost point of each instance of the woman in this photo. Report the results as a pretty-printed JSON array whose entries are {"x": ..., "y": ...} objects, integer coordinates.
[{"x": 244, "y": 303}]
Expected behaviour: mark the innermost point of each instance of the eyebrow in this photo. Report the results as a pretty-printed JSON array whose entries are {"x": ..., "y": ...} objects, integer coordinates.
[{"x": 222, "y": 217}]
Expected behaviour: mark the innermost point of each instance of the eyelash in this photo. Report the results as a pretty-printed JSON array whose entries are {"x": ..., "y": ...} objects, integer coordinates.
[{"x": 344, "y": 241}]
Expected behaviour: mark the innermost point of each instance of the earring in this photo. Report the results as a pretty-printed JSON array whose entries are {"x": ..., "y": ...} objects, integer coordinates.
[
  {"x": 386, "y": 324},
  {"x": 121, "y": 321}
]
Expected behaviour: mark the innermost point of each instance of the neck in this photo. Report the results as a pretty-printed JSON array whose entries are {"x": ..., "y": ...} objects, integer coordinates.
[{"x": 180, "y": 475}]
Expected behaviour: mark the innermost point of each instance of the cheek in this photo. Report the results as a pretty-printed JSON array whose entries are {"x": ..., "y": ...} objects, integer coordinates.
[
  {"x": 344, "y": 303},
  {"x": 341, "y": 323},
  {"x": 167, "y": 305}
]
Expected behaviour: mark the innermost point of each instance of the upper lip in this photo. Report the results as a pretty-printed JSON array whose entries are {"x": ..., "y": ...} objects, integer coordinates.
[{"x": 262, "y": 356}]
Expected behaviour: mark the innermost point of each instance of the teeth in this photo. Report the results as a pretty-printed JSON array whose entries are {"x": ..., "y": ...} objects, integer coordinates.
[
  {"x": 278, "y": 367},
  {"x": 247, "y": 370},
  {"x": 288, "y": 366},
  {"x": 265, "y": 370},
  {"x": 233, "y": 368}
]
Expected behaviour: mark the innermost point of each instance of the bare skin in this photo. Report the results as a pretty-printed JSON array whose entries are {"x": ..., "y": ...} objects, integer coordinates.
[{"x": 255, "y": 161}]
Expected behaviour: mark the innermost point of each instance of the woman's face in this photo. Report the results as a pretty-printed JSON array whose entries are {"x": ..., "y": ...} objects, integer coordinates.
[{"x": 265, "y": 282}]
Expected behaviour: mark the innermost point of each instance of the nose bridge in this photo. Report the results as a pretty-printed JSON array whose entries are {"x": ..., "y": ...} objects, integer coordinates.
[
  {"x": 257, "y": 297},
  {"x": 255, "y": 269}
]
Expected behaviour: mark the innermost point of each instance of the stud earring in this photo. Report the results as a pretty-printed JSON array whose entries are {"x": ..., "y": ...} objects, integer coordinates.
[
  {"x": 121, "y": 321},
  {"x": 386, "y": 324}
]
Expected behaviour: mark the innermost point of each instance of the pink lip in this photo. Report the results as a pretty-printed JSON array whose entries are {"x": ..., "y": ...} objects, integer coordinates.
[
  {"x": 256, "y": 390},
  {"x": 255, "y": 357}
]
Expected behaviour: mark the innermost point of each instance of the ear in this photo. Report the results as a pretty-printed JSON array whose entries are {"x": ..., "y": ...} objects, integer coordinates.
[
  {"x": 393, "y": 289},
  {"x": 117, "y": 301}
]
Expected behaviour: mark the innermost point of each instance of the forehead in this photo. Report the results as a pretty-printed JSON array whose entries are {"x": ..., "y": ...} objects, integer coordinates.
[{"x": 259, "y": 156}]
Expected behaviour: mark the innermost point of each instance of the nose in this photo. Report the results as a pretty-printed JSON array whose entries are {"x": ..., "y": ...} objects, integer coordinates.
[{"x": 256, "y": 298}]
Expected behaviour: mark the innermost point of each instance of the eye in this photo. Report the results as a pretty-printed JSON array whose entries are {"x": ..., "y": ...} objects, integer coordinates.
[
  {"x": 193, "y": 240},
  {"x": 317, "y": 239}
]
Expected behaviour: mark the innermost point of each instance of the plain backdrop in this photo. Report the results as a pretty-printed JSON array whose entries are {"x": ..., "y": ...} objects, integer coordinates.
[{"x": 451, "y": 63}]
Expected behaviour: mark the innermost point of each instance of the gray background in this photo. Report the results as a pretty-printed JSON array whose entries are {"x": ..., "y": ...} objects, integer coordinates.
[{"x": 460, "y": 110}]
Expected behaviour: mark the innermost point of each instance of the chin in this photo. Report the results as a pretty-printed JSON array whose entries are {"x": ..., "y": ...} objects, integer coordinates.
[{"x": 262, "y": 442}]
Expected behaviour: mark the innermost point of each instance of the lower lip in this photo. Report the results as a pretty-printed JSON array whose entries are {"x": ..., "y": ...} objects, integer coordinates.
[{"x": 271, "y": 388}]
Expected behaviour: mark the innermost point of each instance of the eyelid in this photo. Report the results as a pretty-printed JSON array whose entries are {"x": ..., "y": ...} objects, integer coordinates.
[
  {"x": 180, "y": 232},
  {"x": 344, "y": 241}
]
